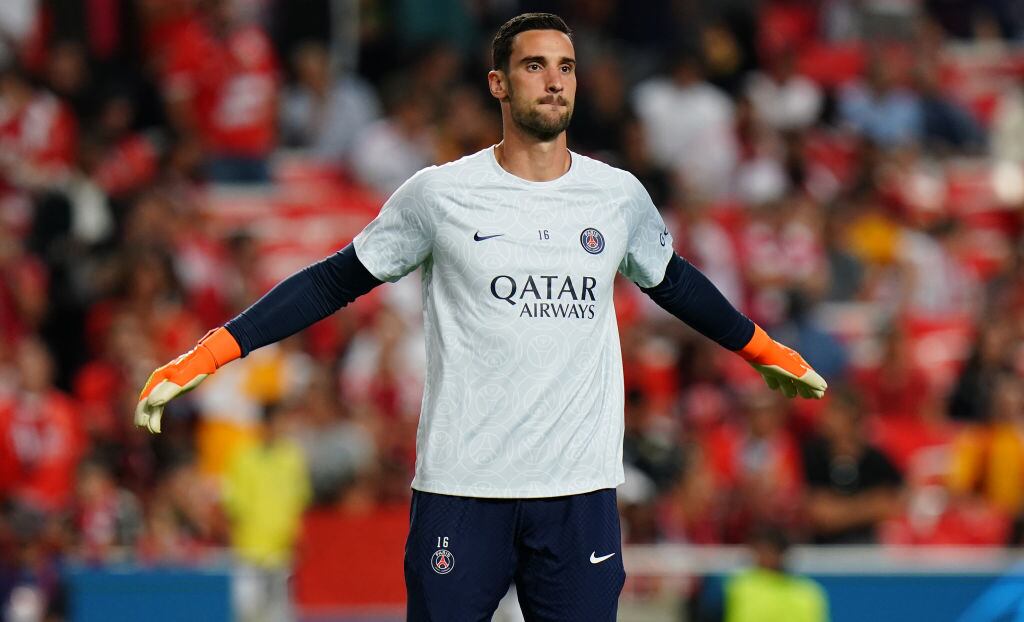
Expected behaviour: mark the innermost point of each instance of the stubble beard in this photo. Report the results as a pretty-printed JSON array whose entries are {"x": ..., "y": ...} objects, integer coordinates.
[{"x": 535, "y": 123}]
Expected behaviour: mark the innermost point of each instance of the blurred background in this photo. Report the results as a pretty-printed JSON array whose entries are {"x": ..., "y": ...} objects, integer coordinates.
[{"x": 850, "y": 173}]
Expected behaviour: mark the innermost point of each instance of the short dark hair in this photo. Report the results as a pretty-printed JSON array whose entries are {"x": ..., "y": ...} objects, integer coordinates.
[{"x": 501, "y": 48}]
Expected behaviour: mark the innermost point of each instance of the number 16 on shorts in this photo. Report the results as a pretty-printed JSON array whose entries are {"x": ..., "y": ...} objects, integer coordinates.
[{"x": 442, "y": 561}]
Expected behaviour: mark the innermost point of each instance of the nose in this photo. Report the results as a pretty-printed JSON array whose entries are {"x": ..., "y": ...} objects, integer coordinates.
[{"x": 554, "y": 81}]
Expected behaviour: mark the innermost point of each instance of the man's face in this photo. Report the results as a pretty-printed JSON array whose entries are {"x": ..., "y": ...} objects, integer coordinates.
[{"x": 541, "y": 82}]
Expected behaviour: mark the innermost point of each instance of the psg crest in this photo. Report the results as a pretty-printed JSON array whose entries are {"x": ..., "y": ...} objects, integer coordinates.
[
  {"x": 442, "y": 561},
  {"x": 592, "y": 240}
]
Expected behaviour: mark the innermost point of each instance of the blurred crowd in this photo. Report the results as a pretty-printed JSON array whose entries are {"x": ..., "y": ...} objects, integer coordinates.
[{"x": 850, "y": 175}]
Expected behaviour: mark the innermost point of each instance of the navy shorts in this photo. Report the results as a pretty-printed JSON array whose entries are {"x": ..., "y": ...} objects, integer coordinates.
[{"x": 563, "y": 553}]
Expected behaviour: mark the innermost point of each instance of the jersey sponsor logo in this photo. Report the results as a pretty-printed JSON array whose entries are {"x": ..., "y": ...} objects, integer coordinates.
[
  {"x": 548, "y": 295},
  {"x": 592, "y": 240},
  {"x": 597, "y": 560},
  {"x": 663, "y": 236},
  {"x": 442, "y": 561},
  {"x": 480, "y": 238}
]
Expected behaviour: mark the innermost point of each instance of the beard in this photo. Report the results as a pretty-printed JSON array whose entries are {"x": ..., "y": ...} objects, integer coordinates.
[{"x": 533, "y": 121}]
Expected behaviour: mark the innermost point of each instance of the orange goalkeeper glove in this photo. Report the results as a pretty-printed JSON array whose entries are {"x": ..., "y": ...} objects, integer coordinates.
[
  {"x": 782, "y": 368},
  {"x": 183, "y": 374}
]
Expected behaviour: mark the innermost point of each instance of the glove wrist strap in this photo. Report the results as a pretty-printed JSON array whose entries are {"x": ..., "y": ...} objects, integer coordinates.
[
  {"x": 757, "y": 346},
  {"x": 221, "y": 345}
]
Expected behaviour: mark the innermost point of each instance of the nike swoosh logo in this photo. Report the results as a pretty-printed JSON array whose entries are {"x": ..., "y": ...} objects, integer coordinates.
[
  {"x": 481, "y": 238},
  {"x": 598, "y": 560}
]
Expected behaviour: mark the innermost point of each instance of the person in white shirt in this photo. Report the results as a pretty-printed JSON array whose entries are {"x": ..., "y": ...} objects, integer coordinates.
[{"x": 689, "y": 126}]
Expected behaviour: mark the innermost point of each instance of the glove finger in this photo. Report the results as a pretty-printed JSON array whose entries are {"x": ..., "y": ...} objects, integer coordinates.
[
  {"x": 163, "y": 393},
  {"x": 771, "y": 381},
  {"x": 154, "y": 420},
  {"x": 788, "y": 387},
  {"x": 141, "y": 414},
  {"x": 804, "y": 390},
  {"x": 816, "y": 383}
]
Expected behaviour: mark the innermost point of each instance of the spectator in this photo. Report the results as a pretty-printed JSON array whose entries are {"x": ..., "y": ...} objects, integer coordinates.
[
  {"x": 785, "y": 255},
  {"x": 338, "y": 449},
  {"x": 782, "y": 98},
  {"x": 824, "y": 351},
  {"x": 35, "y": 590},
  {"x": 389, "y": 151},
  {"x": 700, "y": 145},
  {"x": 846, "y": 271},
  {"x": 757, "y": 462},
  {"x": 24, "y": 282},
  {"x": 649, "y": 443},
  {"x": 124, "y": 161},
  {"x": 881, "y": 110},
  {"x": 38, "y": 135},
  {"x": 18, "y": 19},
  {"x": 768, "y": 591},
  {"x": 947, "y": 125},
  {"x": 266, "y": 490},
  {"x": 636, "y": 158},
  {"x": 897, "y": 388},
  {"x": 988, "y": 459},
  {"x": 707, "y": 244},
  {"x": 936, "y": 283},
  {"x": 1007, "y": 128},
  {"x": 40, "y": 437},
  {"x": 68, "y": 76},
  {"x": 467, "y": 125},
  {"x": 230, "y": 407},
  {"x": 183, "y": 520},
  {"x": 600, "y": 117},
  {"x": 221, "y": 85},
  {"x": 106, "y": 516},
  {"x": 760, "y": 176},
  {"x": 322, "y": 112},
  {"x": 852, "y": 487},
  {"x": 993, "y": 353}
]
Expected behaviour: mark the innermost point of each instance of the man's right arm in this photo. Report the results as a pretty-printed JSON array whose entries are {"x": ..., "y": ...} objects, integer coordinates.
[
  {"x": 304, "y": 298},
  {"x": 301, "y": 300},
  {"x": 398, "y": 240}
]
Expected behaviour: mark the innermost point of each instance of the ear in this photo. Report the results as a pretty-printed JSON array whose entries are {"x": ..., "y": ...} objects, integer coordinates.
[{"x": 497, "y": 85}]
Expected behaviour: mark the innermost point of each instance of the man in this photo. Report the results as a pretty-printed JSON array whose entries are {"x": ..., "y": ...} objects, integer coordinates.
[
  {"x": 852, "y": 486},
  {"x": 519, "y": 446},
  {"x": 266, "y": 491},
  {"x": 767, "y": 591}
]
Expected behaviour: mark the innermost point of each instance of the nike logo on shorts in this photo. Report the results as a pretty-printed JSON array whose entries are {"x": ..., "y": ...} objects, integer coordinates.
[
  {"x": 481, "y": 238},
  {"x": 598, "y": 560}
]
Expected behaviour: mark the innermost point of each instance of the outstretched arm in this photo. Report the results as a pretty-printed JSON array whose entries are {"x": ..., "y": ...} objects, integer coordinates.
[
  {"x": 687, "y": 294},
  {"x": 301, "y": 300}
]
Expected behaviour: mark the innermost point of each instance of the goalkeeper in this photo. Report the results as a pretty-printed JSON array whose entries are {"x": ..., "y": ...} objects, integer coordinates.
[{"x": 519, "y": 447}]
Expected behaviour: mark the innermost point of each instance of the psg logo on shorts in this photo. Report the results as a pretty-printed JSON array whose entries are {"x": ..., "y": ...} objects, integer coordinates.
[
  {"x": 592, "y": 240},
  {"x": 442, "y": 561}
]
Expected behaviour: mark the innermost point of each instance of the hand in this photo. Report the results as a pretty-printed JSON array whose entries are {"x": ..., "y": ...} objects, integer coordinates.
[
  {"x": 782, "y": 368},
  {"x": 182, "y": 375}
]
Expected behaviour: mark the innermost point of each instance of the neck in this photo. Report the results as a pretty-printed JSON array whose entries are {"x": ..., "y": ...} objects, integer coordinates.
[{"x": 532, "y": 159}]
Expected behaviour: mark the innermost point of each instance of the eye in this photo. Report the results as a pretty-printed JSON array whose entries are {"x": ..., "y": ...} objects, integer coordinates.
[
  {"x": 566, "y": 68},
  {"x": 533, "y": 67}
]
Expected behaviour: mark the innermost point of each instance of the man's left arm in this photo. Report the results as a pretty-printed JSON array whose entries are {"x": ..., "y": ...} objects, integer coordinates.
[{"x": 687, "y": 294}]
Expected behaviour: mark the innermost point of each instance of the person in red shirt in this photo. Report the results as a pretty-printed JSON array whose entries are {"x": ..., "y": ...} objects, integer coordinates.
[
  {"x": 38, "y": 135},
  {"x": 220, "y": 80},
  {"x": 40, "y": 440}
]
